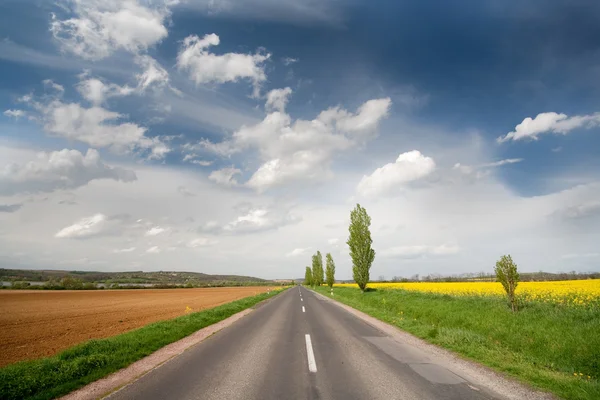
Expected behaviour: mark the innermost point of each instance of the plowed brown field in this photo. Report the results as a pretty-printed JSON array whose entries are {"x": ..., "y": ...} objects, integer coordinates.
[{"x": 36, "y": 323}]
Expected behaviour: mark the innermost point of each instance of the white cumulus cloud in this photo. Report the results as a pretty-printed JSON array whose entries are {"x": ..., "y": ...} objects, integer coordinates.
[
  {"x": 153, "y": 250},
  {"x": 154, "y": 231},
  {"x": 94, "y": 126},
  {"x": 297, "y": 252},
  {"x": 153, "y": 74},
  {"x": 100, "y": 27},
  {"x": 192, "y": 159},
  {"x": 64, "y": 169},
  {"x": 253, "y": 219},
  {"x": 206, "y": 67},
  {"x": 15, "y": 113},
  {"x": 225, "y": 176},
  {"x": 550, "y": 122},
  {"x": 202, "y": 163},
  {"x": 97, "y": 126},
  {"x": 96, "y": 92},
  {"x": 302, "y": 150},
  {"x": 260, "y": 219},
  {"x": 409, "y": 167},
  {"x": 289, "y": 61},
  {"x": 483, "y": 170},
  {"x": 83, "y": 228},
  {"x": 361, "y": 123},
  {"x": 50, "y": 84},
  {"x": 277, "y": 99}
]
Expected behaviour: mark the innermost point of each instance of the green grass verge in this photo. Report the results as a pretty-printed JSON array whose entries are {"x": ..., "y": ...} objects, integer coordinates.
[
  {"x": 51, "y": 377},
  {"x": 543, "y": 344}
]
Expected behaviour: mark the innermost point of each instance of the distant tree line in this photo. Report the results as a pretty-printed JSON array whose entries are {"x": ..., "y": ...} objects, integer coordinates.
[
  {"x": 131, "y": 277},
  {"x": 70, "y": 283},
  {"x": 490, "y": 277}
]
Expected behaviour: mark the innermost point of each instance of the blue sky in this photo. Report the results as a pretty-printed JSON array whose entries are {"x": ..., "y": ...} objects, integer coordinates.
[{"x": 237, "y": 135}]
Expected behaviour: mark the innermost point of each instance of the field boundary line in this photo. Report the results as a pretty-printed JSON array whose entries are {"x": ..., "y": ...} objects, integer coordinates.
[
  {"x": 467, "y": 369},
  {"x": 123, "y": 377}
]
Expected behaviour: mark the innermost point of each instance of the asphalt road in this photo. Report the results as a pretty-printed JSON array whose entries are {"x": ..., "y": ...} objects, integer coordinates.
[{"x": 300, "y": 346}]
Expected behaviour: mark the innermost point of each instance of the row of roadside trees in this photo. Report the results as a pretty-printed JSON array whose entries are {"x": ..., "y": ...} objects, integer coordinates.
[
  {"x": 359, "y": 242},
  {"x": 362, "y": 255},
  {"x": 316, "y": 276}
]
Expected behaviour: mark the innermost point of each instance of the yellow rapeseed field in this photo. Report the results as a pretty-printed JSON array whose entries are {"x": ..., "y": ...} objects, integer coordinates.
[{"x": 579, "y": 292}]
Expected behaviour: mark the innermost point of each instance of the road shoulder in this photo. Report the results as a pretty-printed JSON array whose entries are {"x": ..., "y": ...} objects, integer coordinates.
[
  {"x": 469, "y": 370},
  {"x": 117, "y": 380}
]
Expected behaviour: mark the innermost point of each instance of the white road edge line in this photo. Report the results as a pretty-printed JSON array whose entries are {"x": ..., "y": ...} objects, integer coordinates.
[
  {"x": 312, "y": 365},
  {"x": 303, "y": 310}
]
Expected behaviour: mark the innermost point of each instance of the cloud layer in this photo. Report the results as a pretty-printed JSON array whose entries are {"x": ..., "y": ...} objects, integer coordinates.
[
  {"x": 301, "y": 150},
  {"x": 193, "y": 135},
  {"x": 65, "y": 169}
]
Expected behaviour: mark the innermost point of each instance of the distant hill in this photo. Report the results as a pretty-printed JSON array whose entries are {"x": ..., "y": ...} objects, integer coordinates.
[{"x": 156, "y": 277}]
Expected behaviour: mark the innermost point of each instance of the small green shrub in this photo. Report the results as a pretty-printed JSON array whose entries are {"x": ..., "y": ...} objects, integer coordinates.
[{"x": 508, "y": 276}]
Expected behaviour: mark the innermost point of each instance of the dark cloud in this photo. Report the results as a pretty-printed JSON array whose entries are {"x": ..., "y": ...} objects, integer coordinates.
[{"x": 10, "y": 208}]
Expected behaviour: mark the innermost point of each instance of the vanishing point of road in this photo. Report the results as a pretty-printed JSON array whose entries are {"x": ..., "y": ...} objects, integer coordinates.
[{"x": 300, "y": 345}]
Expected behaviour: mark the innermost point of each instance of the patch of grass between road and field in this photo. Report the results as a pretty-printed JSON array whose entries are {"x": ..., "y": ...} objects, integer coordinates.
[
  {"x": 73, "y": 368},
  {"x": 551, "y": 347}
]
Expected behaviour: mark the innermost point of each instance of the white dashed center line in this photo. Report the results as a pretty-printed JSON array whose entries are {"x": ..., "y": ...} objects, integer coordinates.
[
  {"x": 312, "y": 365},
  {"x": 303, "y": 310}
]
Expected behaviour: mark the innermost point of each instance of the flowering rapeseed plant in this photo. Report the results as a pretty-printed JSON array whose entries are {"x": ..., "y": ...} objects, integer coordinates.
[{"x": 574, "y": 293}]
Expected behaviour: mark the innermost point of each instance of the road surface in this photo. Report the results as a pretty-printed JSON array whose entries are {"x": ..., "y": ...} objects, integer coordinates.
[{"x": 301, "y": 346}]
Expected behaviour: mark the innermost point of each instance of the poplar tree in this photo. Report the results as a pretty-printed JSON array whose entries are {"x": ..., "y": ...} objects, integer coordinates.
[
  {"x": 308, "y": 280},
  {"x": 317, "y": 269},
  {"x": 330, "y": 270},
  {"x": 359, "y": 242}
]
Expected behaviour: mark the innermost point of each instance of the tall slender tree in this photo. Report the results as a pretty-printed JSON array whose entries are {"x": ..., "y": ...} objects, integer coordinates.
[
  {"x": 308, "y": 279},
  {"x": 359, "y": 242},
  {"x": 321, "y": 269},
  {"x": 317, "y": 269},
  {"x": 330, "y": 270}
]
